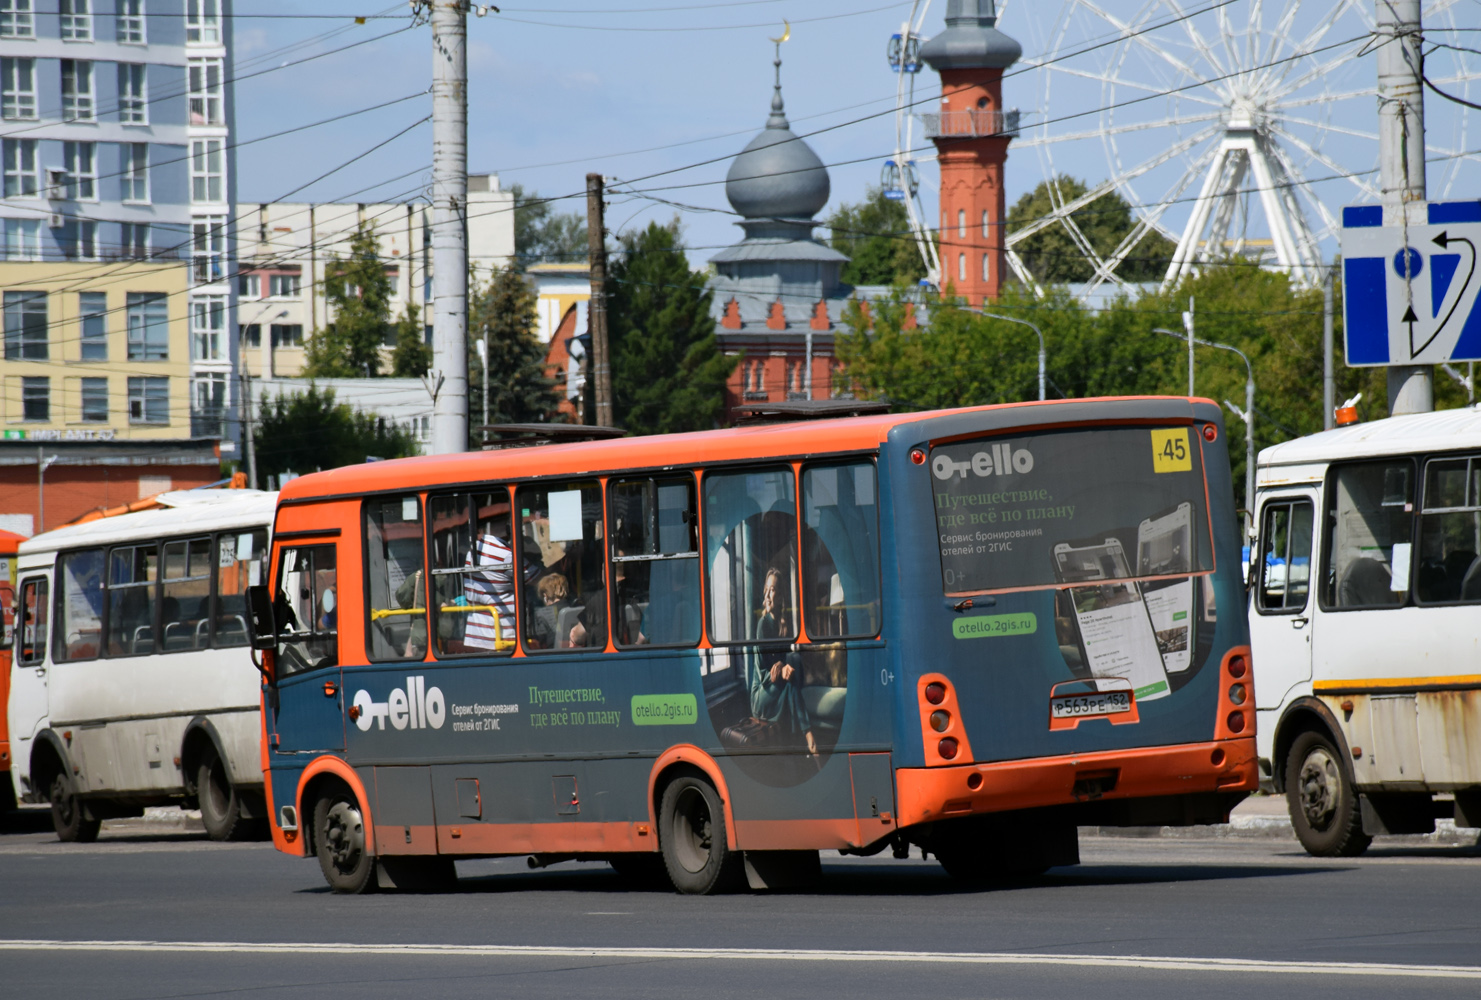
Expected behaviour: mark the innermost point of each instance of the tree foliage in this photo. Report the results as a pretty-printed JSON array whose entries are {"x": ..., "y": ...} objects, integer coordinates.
[
  {"x": 1052, "y": 255},
  {"x": 310, "y": 431},
  {"x": 413, "y": 355},
  {"x": 876, "y": 236},
  {"x": 359, "y": 291},
  {"x": 667, "y": 370},
  {"x": 504, "y": 310},
  {"x": 542, "y": 235}
]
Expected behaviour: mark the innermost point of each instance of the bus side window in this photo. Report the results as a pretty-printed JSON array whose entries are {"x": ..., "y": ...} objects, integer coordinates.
[
  {"x": 1450, "y": 532},
  {"x": 1372, "y": 512},
  {"x": 840, "y": 555},
  {"x": 185, "y": 608},
  {"x": 472, "y": 573},
  {"x": 30, "y": 646},
  {"x": 132, "y": 573},
  {"x": 241, "y": 562},
  {"x": 751, "y": 553},
  {"x": 306, "y": 609},
  {"x": 1285, "y": 566},
  {"x": 393, "y": 565},
  {"x": 562, "y": 541},
  {"x": 655, "y": 562},
  {"x": 80, "y": 605}
]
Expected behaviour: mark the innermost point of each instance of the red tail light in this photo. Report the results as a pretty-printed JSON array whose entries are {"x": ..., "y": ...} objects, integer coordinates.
[
  {"x": 1237, "y": 666},
  {"x": 935, "y": 692},
  {"x": 947, "y": 748},
  {"x": 1235, "y": 722}
]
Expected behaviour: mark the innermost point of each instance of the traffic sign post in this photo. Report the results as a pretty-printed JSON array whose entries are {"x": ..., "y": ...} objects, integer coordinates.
[{"x": 1409, "y": 294}]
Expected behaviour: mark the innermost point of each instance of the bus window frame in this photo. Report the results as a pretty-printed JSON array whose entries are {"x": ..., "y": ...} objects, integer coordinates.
[
  {"x": 429, "y": 527},
  {"x": 297, "y": 540},
  {"x": 799, "y": 634},
  {"x": 696, "y": 528},
  {"x": 156, "y": 586},
  {"x": 1290, "y": 501},
  {"x": 1421, "y": 508},
  {"x": 58, "y": 635},
  {"x": 45, "y": 593},
  {"x": 365, "y": 581},
  {"x": 544, "y": 485},
  {"x": 1329, "y": 528},
  {"x": 840, "y": 463}
]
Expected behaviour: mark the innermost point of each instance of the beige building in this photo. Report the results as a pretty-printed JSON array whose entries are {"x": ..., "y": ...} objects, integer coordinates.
[
  {"x": 284, "y": 249},
  {"x": 558, "y": 288}
]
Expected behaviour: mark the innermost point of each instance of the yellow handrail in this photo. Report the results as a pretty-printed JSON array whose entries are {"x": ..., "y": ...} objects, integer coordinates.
[{"x": 500, "y": 643}]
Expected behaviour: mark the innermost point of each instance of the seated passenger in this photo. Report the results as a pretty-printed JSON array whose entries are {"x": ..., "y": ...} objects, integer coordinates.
[
  {"x": 554, "y": 592},
  {"x": 491, "y": 588}
]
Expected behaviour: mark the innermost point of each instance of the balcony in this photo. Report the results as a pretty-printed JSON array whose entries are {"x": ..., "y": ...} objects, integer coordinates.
[{"x": 971, "y": 124}]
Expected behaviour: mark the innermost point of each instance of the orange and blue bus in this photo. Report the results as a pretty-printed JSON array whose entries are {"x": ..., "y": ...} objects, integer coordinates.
[{"x": 714, "y": 655}]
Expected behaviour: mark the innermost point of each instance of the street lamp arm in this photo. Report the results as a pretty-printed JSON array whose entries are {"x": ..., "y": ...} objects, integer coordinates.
[
  {"x": 1249, "y": 369},
  {"x": 1022, "y": 322}
]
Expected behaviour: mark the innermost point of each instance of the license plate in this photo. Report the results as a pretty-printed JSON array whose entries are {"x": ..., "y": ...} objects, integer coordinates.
[{"x": 1077, "y": 706}]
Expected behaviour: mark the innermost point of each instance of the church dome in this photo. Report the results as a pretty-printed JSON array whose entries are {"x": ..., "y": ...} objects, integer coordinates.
[{"x": 777, "y": 175}]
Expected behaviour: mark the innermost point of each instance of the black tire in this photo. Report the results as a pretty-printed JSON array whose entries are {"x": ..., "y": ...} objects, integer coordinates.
[
  {"x": 1322, "y": 801},
  {"x": 339, "y": 841},
  {"x": 221, "y": 808},
  {"x": 68, "y": 816},
  {"x": 691, "y": 833}
]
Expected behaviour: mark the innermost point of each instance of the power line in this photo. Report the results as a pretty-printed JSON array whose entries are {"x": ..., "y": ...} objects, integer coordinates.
[{"x": 709, "y": 27}]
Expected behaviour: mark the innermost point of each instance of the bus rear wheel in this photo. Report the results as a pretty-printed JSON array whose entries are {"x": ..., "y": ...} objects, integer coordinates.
[
  {"x": 691, "y": 833},
  {"x": 68, "y": 815},
  {"x": 221, "y": 810},
  {"x": 1322, "y": 801},
  {"x": 339, "y": 841}
]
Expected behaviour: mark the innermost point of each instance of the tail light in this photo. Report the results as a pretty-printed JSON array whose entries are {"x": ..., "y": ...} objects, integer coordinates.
[
  {"x": 943, "y": 736},
  {"x": 940, "y": 720},
  {"x": 1235, "y": 722},
  {"x": 935, "y": 692},
  {"x": 1236, "y": 696},
  {"x": 947, "y": 748}
]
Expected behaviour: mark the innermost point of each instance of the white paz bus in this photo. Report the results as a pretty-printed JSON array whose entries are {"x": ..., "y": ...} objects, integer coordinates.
[
  {"x": 1365, "y": 621},
  {"x": 131, "y": 680}
]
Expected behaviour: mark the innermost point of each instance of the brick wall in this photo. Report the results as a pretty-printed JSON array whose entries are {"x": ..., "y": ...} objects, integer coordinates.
[{"x": 73, "y": 490}]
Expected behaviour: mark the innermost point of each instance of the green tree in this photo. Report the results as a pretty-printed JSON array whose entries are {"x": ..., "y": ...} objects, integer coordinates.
[
  {"x": 876, "y": 236},
  {"x": 541, "y": 234},
  {"x": 309, "y": 431},
  {"x": 413, "y": 355},
  {"x": 1052, "y": 256},
  {"x": 504, "y": 310},
  {"x": 360, "y": 293},
  {"x": 667, "y": 370}
]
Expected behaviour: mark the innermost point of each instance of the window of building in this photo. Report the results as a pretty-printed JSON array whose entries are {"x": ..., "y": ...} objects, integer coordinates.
[
  {"x": 79, "y": 240},
  {"x": 564, "y": 524},
  {"x": 208, "y": 328},
  {"x": 250, "y": 334},
  {"x": 80, "y": 161},
  {"x": 80, "y": 605},
  {"x": 961, "y": 267},
  {"x": 149, "y": 328},
  {"x": 986, "y": 225},
  {"x": 208, "y": 249},
  {"x": 132, "y": 572},
  {"x": 206, "y": 169},
  {"x": 287, "y": 334},
  {"x": 134, "y": 240},
  {"x": 76, "y": 20},
  {"x": 472, "y": 576},
  {"x": 36, "y": 398},
  {"x": 840, "y": 551},
  {"x": 26, "y": 333},
  {"x": 1371, "y": 511},
  {"x": 93, "y": 308},
  {"x": 17, "y": 88},
  {"x": 131, "y": 22},
  {"x": 241, "y": 562},
  {"x": 249, "y": 286},
  {"x": 986, "y": 267},
  {"x": 397, "y": 625},
  {"x": 394, "y": 281},
  {"x": 22, "y": 239},
  {"x": 77, "y": 90},
  {"x": 205, "y": 92},
  {"x": 203, "y": 21},
  {"x": 134, "y": 172},
  {"x": 961, "y": 223},
  {"x": 208, "y": 408},
  {"x": 655, "y": 562},
  {"x": 95, "y": 400},
  {"x": 133, "y": 103},
  {"x": 283, "y": 286},
  {"x": 751, "y": 555},
  {"x": 17, "y": 19},
  {"x": 308, "y": 619},
  {"x": 149, "y": 400},
  {"x": 22, "y": 180}
]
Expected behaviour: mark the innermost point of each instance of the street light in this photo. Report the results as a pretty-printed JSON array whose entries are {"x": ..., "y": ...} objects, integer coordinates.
[
  {"x": 483, "y": 353},
  {"x": 1248, "y": 416},
  {"x": 1024, "y": 322}
]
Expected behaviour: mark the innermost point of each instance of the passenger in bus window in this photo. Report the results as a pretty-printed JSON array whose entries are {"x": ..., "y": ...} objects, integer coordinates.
[
  {"x": 490, "y": 591},
  {"x": 776, "y": 691},
  {"x": 555, "y": 592}
]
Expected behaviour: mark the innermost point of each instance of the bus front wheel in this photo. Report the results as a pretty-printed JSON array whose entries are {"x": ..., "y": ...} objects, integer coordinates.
[
  {"x": 1321, "y": 799},
  {"x": 221, "y": 810},
  {"x": 691, "y": 833},
  {"x": 339, "y": 841},
  {"x": 68, "y": 815}
]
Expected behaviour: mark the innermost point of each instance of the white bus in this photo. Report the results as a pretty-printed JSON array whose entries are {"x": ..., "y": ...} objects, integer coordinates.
[
  {"x": 1365, "y": 621},
  {"x": 131, "y": 680}
]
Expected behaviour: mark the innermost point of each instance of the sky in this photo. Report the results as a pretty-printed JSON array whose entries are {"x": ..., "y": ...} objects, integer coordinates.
[{"x": 675, "y": 88}]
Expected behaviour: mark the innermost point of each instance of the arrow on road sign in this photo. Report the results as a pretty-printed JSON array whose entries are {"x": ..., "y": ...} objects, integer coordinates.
[
  {"x": 1444, "y": 240},
  {"x": 1411, "y": 319}
]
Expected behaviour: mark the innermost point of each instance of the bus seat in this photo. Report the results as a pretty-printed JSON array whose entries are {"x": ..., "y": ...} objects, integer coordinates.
[
  {"x": 565, "y": 622},
  {"x": 1470, "y": 584},
  {"x": 1364, "y": 582}
]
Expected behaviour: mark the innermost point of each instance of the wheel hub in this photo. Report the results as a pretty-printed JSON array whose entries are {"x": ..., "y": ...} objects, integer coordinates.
[
  {"x": 1319, "y": 785},
  {"x": 344, "y": 835},
  {"x": 692, "y": 831}
]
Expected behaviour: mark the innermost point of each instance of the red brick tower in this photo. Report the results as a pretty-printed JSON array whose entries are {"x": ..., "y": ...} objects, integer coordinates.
[{"x": 971, "y": 133}]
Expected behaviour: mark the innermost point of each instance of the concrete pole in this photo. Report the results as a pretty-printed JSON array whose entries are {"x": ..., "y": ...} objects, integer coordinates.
[
  {"x": 1188, "y": 325},
  {"x": 1249, "y": 441},
  {"x": 247, "y": 430},
  {"x": 449, "y": 234},
  {"x": 1411, "y": 388},
  {"x": 1329, "y": 371}
]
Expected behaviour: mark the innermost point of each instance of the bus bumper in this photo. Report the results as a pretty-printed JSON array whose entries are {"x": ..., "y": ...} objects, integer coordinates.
[{"x": 1218, "y": 773}]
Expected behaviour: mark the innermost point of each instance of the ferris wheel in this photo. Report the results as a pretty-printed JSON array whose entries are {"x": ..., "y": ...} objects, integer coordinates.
[
  {"x": 1238, "y": 130},
  {"x": 900, "y": 178}
]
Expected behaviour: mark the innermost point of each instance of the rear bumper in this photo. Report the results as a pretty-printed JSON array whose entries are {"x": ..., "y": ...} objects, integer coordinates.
[{"x": 1226, "y": 768}]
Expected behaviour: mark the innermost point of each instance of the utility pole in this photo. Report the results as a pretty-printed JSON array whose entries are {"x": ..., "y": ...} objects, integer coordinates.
[
  {"x": 1329, "y": 371},
  {"x": 596, "y": 242},
  {"x": 1188, "y": 325},
  {"x": 1411, "y": 388},
  {"x": 247, "y": 430},
  {"x": 449, "y": 231}
]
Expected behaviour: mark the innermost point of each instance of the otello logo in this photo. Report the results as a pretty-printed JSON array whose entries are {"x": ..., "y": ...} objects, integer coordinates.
[
  {"x": 1000, "y": 459},
  {"x": 415, "y": 706}
]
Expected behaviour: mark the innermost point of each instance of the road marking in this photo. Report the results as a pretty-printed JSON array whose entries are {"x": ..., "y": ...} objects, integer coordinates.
[{"x": 1148, "y": 962}]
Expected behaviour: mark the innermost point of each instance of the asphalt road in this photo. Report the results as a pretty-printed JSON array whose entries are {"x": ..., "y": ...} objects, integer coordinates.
[{"x": 149, "y": 913}]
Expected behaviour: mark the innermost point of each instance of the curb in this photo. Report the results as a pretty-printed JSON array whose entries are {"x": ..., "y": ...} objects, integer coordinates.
[{"x": 1446, "y": 833}]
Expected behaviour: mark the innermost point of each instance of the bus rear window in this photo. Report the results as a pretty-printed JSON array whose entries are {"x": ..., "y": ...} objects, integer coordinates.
[{"x": 1067, "y": 507}]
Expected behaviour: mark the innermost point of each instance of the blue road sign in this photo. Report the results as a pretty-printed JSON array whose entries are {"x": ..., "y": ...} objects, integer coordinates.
[{"x": 1409, "y": 295}]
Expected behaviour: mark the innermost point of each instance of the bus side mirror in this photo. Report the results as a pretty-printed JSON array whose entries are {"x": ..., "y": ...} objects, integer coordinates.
[{"x": 262, "y": 630}]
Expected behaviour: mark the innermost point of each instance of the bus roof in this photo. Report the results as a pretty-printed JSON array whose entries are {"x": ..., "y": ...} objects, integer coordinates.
[
  {"x": 1445, "y": 430},
  {"x": 182, "y": 511},
  {"x": 812, "y": 437}
]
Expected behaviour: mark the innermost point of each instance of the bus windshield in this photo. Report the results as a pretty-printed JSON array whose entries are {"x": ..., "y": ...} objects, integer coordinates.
[{"x": 1070, "y": 507}]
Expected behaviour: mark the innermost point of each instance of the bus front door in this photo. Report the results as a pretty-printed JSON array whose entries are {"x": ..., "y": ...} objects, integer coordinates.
[
  {"x": 28, "y": 705},
  {"x": 1280, "y": 627},
  {"x": 306, "y": 712}
]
